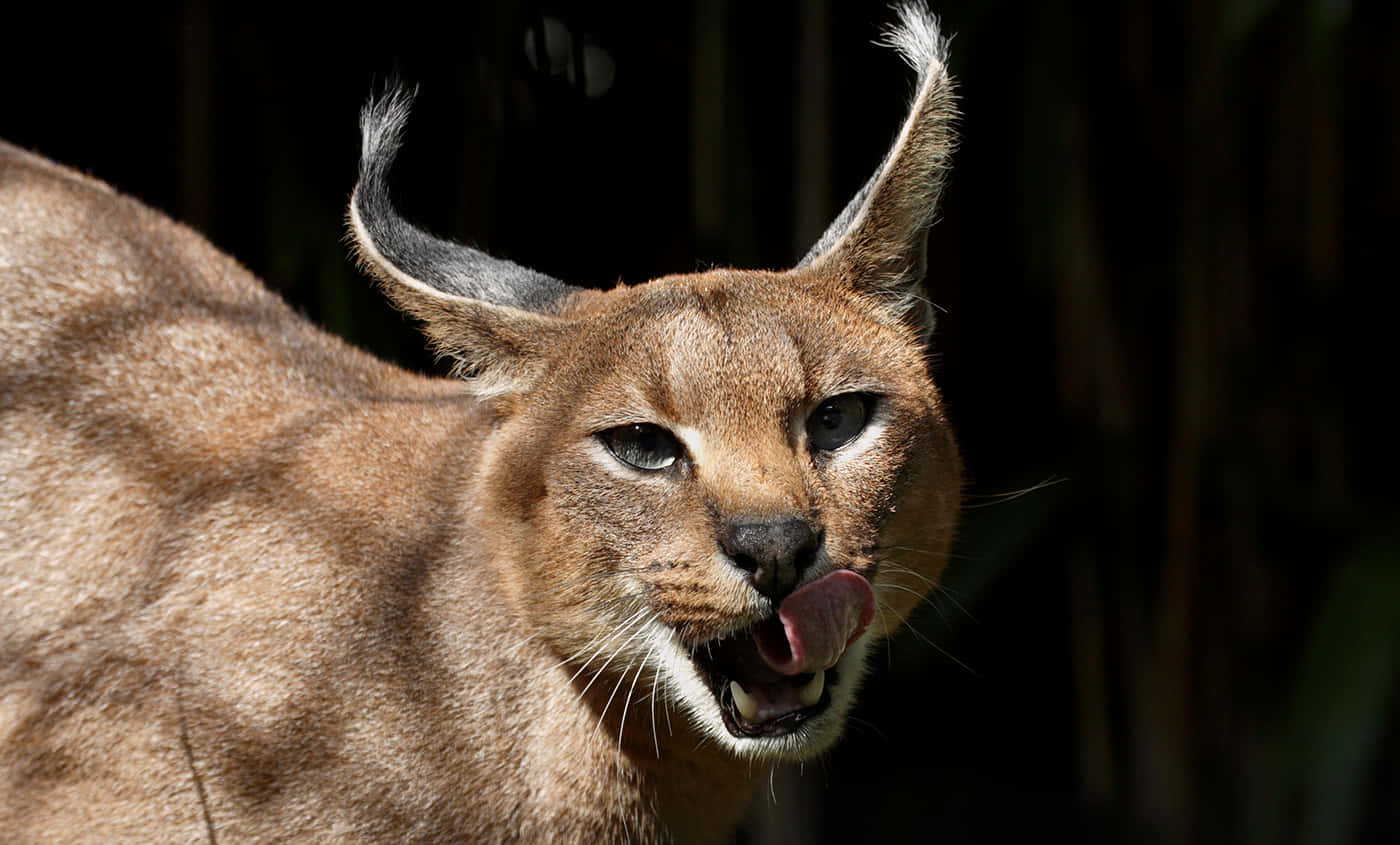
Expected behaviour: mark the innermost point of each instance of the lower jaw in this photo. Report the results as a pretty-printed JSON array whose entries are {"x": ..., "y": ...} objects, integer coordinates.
[
  {"x": 784, "y": 725},
  {"x": 795, "y": 734}
]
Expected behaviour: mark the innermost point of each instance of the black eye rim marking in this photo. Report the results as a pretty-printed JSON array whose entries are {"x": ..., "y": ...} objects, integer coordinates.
[
  {"x": 857, "y": 400},
  {"x": 633, "y": 443}
]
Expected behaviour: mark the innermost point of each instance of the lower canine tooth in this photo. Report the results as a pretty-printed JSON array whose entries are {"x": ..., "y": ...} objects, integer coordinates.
[
  {"x": 748, "y": 708},
  {"x": 811, "y": 693}
]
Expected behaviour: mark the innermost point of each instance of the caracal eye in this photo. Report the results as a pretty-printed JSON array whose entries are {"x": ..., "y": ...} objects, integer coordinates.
[
  {"x": 642, "y": 446},
  {"x": 836, "y": 421}
]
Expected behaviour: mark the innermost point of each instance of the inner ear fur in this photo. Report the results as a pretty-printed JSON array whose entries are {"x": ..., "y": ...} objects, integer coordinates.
[{"x": 497, "y": 348}]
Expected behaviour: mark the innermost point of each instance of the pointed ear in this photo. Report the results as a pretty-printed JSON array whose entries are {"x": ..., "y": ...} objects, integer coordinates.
[
  {"x": 497, "y": 318},
  {"x": 878, "y": 243}
]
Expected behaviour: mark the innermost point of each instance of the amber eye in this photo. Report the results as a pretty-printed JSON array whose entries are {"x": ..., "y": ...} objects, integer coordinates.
[
  {"x": 642, "y": 446},
  {"x": 838, "y": 420}
]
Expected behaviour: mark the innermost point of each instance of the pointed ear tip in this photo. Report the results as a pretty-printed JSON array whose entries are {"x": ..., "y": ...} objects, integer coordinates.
[
  {"x": 918, "y": 38},
  {"x": 394, "y": 94},
  {"x": 382, "y": 121}
]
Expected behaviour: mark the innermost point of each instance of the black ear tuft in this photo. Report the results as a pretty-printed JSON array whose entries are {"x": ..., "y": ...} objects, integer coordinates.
[
  {"x": 497, "y": 319},
  {"x": 399, "y": 253}
]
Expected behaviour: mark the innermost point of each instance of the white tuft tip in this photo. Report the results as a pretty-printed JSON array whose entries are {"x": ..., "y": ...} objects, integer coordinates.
[{"x": 917, "y": 37}]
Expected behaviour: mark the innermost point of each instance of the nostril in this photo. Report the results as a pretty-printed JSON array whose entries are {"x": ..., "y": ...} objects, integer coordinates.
[
  {"x": 743, "y": 561},
  {"x": 807, "y": 555}
]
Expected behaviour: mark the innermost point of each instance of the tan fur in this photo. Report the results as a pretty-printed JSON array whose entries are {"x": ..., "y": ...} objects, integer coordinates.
[{"x": 258, "y": 586}]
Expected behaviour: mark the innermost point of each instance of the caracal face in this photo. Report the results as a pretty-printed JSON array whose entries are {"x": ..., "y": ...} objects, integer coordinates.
[{"x": 707, "y": 474}]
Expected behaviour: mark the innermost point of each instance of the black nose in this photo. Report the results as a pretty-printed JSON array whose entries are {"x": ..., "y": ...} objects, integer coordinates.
[{"x": 775, "y": 553}]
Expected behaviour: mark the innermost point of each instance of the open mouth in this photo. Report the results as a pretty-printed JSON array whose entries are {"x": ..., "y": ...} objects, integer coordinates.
[{"x": 777, "y": 674}]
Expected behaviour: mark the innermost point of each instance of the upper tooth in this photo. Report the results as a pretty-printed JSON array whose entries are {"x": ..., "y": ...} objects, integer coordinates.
[
  {"x": 748, "y": 707},
  {"x": 811, "y": 692}
]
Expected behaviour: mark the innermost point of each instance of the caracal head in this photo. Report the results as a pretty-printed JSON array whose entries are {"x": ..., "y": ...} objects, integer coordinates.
[{"x": 704, "y": 478}]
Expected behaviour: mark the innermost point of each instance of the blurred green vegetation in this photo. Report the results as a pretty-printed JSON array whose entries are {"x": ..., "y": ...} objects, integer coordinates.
[{"x": 1165, "y": 267}]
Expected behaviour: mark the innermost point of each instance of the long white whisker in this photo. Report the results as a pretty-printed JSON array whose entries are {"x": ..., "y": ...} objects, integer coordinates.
[
  {"x": 655, "y": 677},
  {"x": 926, "y": 598},
  {"x": 639, "y": 629},
  {"x": 666, "y": 710},
  {"x": 880, "y": 608},
  {"x": 936, "y": 647},
  {"x": 913, "y": 549},
  {"x": 887, "y": 585},
  {"x": 601, "y": 642},
  {"x": 895, "y": 566},
  {"x": 628, "y": 700},
  {"x": 896, "y": 570},
  {"x": 946, "y": 593},
  {"x": 620, "y": 680},
  {"x": 936, "y": 588},
  {"x": 616, "y": 632},
  {"x": 1002, "y": 498}
]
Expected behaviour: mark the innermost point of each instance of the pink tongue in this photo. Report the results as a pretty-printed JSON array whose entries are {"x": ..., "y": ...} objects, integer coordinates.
[{"x": 818, "y": 622}]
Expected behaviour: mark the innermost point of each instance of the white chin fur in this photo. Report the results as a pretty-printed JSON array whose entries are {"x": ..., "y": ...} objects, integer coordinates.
[{"x": 688, "y": 692}]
